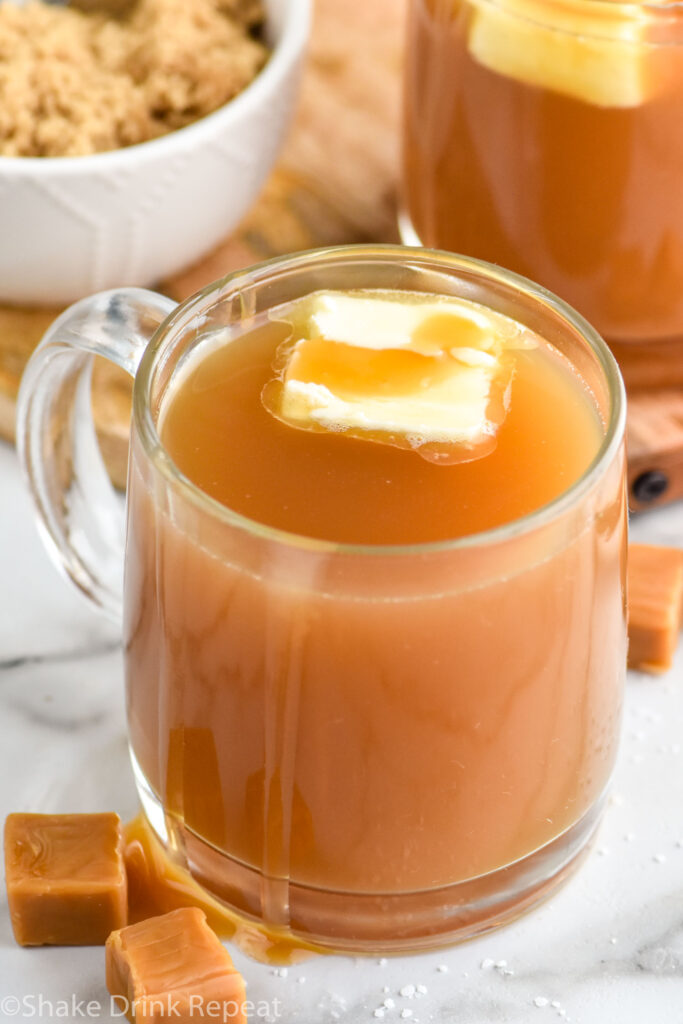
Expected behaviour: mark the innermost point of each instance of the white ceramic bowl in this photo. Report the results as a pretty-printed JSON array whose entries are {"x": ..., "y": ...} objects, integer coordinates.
[{"x": 70, "y": 226}]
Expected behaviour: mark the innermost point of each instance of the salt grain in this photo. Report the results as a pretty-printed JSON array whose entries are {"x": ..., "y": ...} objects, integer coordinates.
[
  {"x": 659, "y": 858},
  {"x": 406, "y": 1013},
  {"x": 442, "y": 968},
  {"x": 487, "y": 964},
  {"x": 540, "y": 1001},
  {"x": 408, "y": 991},
  {"x": 389, "y": 1004}
]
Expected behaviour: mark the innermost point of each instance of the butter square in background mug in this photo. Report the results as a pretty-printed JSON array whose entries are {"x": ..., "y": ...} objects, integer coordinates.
[{"x": 544, "y": 135}]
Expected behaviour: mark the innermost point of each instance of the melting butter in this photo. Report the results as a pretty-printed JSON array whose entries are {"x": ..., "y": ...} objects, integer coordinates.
[
  {"x": 597, "y": 56},
  {"x": 427, "y": 373}
]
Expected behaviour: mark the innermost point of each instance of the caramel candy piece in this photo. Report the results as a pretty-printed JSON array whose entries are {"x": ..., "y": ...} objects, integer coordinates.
[
  {"x": 66, "y": 880},
  {"x": 174, "y": 968},
  {"x": 655, "y": 602}
]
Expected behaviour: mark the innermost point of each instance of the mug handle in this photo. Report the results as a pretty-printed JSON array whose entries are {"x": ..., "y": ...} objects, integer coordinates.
[{"x": 82, "y": 519}]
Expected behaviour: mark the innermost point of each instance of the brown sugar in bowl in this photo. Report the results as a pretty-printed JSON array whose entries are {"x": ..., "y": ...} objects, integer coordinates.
[{"x": 73, "y": 225}]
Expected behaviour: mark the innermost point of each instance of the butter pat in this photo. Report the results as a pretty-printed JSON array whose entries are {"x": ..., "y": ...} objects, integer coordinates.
[
  {"x": 560, "y": 48},
  {"x": 384, "y": 320},
  {"x": 426, "y": 373}
]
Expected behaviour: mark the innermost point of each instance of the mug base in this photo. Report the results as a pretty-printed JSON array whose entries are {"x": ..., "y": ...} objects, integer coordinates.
[{"x": 374, "y": 923}]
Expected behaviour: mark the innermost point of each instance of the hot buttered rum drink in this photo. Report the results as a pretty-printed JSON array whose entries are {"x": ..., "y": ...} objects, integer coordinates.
[{"x": 340, "y": 736}]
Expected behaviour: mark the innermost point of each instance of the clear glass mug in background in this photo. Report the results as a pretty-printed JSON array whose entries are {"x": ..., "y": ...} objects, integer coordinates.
[
  {"x": 545, "y": 135},
  {"x": 471, "y": 767}
]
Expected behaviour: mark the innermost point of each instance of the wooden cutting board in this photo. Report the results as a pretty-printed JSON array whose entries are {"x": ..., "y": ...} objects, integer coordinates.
[{"x": 335, "y": 183}]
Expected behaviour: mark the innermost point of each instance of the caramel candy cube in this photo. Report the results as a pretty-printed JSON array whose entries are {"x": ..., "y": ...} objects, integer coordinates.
[
  {"x": 655, "y": 602},
  {"x": 66, "y": 879},
  {"x": 174, "y": 968}
]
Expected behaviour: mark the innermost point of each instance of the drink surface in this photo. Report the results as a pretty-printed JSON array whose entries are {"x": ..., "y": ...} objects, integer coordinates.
[
  {"x": 545, "y": 138},
  {"x": 324, "y": 483}
]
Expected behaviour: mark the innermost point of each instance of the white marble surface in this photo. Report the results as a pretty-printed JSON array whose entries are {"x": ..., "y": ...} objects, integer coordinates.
[{"x": 607, "y": 949}]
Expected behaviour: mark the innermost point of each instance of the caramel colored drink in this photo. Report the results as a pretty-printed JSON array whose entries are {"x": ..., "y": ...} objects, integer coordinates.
[
  {"x": 374, "y": 669},
  {"x": 544, "y": 136}
]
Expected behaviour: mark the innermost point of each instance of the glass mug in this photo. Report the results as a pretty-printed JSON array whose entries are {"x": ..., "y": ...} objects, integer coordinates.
[
  {"x": 368, "y": 748},
  {"x": 544, "y": 135}
]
